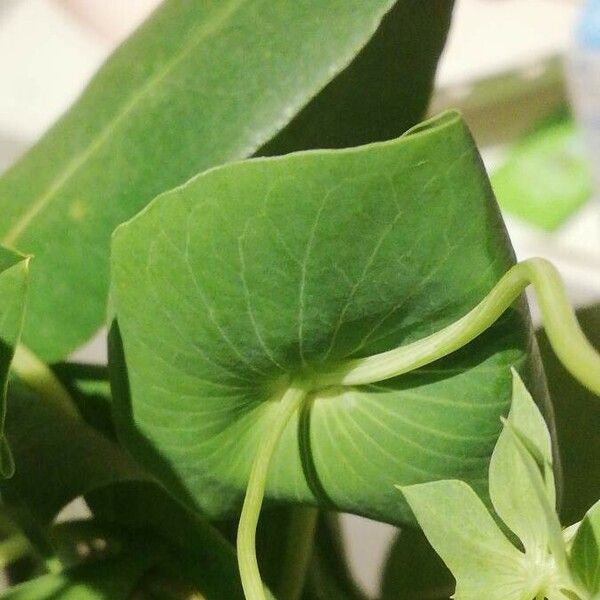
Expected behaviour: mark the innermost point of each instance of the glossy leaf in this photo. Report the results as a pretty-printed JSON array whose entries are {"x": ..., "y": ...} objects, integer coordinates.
[
  {"x": 200, "y": 84},
  {"x": 273, "y": 268},
  {"x": 14, "y": 275},
  {"x": 511, "y": 488},
  {"x": 585, "y": 551}
]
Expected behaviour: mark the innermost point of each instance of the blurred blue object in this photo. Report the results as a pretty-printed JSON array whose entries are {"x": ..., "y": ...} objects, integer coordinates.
[
  {"x": 587, "y": 34},
  {"x": 583, "y": 74}
]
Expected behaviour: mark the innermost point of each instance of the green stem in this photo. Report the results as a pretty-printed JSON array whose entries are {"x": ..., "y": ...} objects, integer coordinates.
[
  {"x": 246, "y": 537},
  {"x": 564, "y": 333},
  {"x": 40, "y": 377},
  {"x": 298, "y": 552},
  {"x": 13, "y": 548}
]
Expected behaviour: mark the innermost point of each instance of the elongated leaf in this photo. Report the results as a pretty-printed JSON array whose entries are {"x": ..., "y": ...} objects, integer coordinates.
[
  {"x": 261, "y": 271},
  {"x": 201, "y": 83},
  {"x": 511, "y": 488},
  {"x": 14, "y": 270},
  {"x": 585, "y": 551},
  {"x": 463, "y": 533}
]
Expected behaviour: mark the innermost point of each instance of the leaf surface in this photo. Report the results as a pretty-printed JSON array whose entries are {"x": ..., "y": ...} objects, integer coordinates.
[
  {"x": 260, "y": 271},
  {"x": 199, "y": 84}
]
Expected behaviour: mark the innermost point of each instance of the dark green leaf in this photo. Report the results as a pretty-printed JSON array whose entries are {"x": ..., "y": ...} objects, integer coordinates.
[
  {"x": 383, "y": 92},
  {"x": 577, "y": 413},
  {"x": 329, "y": 576},
  {"x": 413, "y": 571},
  {"x": 260, "y": 271},
  {"x": 114, "y": 578},
  {"x": 200, "y": 84},
  {"x": 58, "y": 457},
  {"x": 14, "y": 275},
  {"x": 204, "y": 556}
]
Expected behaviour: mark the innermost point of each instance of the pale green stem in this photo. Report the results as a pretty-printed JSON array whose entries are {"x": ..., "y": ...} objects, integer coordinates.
[
  {"x": 40, "y": 377},
  {"x": 246, "y": 537},
  {"x": 13, "y": 548},
  {"x": 298, "y": 552},
  {"x": 564, "y": 333}
]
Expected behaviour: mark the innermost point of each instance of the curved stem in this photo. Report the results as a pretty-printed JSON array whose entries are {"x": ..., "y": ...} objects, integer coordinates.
[
  {"x": 298, "y": 552},
  {"x": 246, "y": 537},
  {"x": 564, "y": 333},
  {"x": 40, "y": 377}
]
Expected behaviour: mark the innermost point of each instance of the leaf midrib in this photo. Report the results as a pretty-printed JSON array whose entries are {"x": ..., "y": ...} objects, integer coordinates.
[{"x": 203, "y": 32}]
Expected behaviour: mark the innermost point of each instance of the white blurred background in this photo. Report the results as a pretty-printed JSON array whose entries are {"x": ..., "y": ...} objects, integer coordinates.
[{"x": 50, "y": 48}]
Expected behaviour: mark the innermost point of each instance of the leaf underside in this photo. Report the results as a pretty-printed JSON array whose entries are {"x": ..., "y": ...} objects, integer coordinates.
[{"x": 260, "y": 271}]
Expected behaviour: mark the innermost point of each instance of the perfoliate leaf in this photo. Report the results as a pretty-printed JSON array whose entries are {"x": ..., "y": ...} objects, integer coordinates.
[
  {"x": 511, "y": 488},
  {"x": 14, "y": 271},
  {"x": 264, "y": 270},
  {"x": 585, "y": 552},
  {"x": 464, "y": 534},
  {"x": 200, "y": 84}
]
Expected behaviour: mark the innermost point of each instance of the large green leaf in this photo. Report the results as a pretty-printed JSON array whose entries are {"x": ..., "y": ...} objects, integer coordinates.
[
  {"x": 259, "y": 271},
  {"x": 199, "y": 84},
  {"x": 14, "y": 270}
]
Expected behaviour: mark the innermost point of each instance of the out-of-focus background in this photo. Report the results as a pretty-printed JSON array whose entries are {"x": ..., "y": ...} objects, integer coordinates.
[{"x": 505, "y": 66}]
